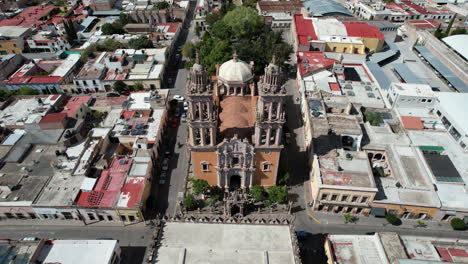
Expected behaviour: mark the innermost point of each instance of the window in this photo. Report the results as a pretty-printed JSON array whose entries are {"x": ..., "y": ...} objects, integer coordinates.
[
  {"x": 358, "y": 211},
  {"x": 364, "y": 199},
  {"x": 9, "y": 215},
  {"x": 14, "y": 45},
  {"x": 91, "y": 216},
  {"x": 32, "y": 216},
  {"x": 123, "y": 218},
  {"x": 423, "y": 100},
  {"x": 235, "y": 160},
  {"x": 45, "y": 216},
  {"x": 265, "y": 166},
  {"x": 456, "y": 135},
  {"x": 354, "y": 199},
  {"x": 429, "y": 100},
  {"x": 324, "y": 196},
  {"x": 462, "y": 144},
  {"x": 110, "y": 218},
  {"x": 20, "y": 216},
  {"x": 333, "y": 198},
  {"x": 267, "y": 152},
  {"x": 439, "y": 113},
  {"x": 101, "y": 218},
  {"x": 131, "y": 218},
  {"x": 344, "y": 198},
  {"x": 67, "y": 215},
  {"x": 205, "y": 166}
]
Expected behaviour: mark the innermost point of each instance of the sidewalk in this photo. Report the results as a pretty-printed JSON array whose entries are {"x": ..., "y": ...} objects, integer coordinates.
[{"x": 74, "y": 223}]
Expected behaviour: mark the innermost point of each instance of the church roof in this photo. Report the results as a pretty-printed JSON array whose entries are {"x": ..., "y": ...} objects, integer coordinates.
[{"x": 235, "y": 70}]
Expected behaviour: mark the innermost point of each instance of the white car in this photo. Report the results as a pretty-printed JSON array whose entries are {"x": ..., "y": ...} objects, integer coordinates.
[
  {"x": 185, "y": 106},
  {"x": 178, "y": 97}
]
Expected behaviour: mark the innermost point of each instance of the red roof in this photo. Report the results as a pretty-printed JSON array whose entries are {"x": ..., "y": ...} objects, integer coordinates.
[
  {"x": 172, "y": 27},
  {"x": 304, "y": 29},
  {"x": 334, "y": 87},
  {"x": 107, "y": 189},
  {"x": 132, "y": 192},
  {"x": 34, "y": 79},
  {"x": 412, "y": 122},
  {"x": 29, "y": 17},
  {"x": 424, "y": 23},
  {"x": 127, "y": 114},
  {"x": 74, "y": 103},
  {"x": 53, "y": 118},
  {"x": 311, "y": 61},
  {"x": 362, "y": 30},
  {"x": 420, "y": 9}
]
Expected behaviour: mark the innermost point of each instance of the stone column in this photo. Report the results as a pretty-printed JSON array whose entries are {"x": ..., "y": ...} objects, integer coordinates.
[
  {"x": 202, "y": 136},
  {"x": 212, "y": 136},
  {"x": 268, "y": 136},
  {"x": 191, "y": 136},
  {"x": 280, "y": 109},
  {"x": 278, "y": 136},
  {"x": 270, "y": 110},
  {"x": 243, "y": 179},
  {"x": 200, "y": 111}
]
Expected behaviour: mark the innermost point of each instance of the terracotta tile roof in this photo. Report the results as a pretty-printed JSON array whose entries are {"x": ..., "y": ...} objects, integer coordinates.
[
  {"x": 412, "y": 122},
  {"x": 362, "y": 30},
  {"x": 304, "y": 29},
  {"x": 311, "y": 61},
  {"x": 286, "y": 6},
  {"x": 53, "y": 118}
]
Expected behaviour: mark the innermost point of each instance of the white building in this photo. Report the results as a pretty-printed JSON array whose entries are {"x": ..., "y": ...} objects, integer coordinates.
[
  {"x": 47, "y": 41},
  {"x": 411, "y": 95},
  {"x": 81, "y": 251},
  {"x": 451, "y": 108}
]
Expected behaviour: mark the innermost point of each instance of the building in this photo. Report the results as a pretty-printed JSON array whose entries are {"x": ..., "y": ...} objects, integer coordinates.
[
  {"x": 280, "y": 13},
  {"x": 355, "y": 249},
  {"x": 415, "y": 95},
  {"x": 102, "y": 5},
  {"x": 332, "y": 8},
  {"x": 9, "y": 64},
  {"x": 89, "y": 251},
  {"x": 12, "y": 39},
  {"x": 342, "y": 183},
  {"x": 332, "y": 35},
  {"x": 187, "y": 243},
  {"x": 202, "y": 9},
  {"x": 31, "y": 17},
  {"x": 47, "y": 41},
  {"x": 6, "y": 5},
  {"x": 242, "y": 147}
]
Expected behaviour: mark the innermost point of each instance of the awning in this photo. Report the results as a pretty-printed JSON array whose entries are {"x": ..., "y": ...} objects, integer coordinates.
[
  {"x": 377, "y": 211},
  {"x": 432, "y": 148}
]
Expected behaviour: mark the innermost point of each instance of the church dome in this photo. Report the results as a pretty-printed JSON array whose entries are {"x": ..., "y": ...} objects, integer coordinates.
[{"x": 235, "y": 70}]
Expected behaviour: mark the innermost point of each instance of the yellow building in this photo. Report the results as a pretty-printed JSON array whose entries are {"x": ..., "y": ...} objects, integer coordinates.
[
  {"x": 342, "y": 182},
  {"x": 235, "y": 131},
  {"x": 12, "y": 39}
]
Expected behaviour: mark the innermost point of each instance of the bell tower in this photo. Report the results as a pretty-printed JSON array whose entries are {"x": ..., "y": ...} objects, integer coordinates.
[
  {"x": 270, "y": 115},
  {"x": 201, "y": 117}
]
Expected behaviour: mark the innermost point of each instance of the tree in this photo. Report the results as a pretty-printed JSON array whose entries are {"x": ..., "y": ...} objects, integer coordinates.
[
  {"x": 244, "y": 22},
  {"x": 197, "y": 30},
  {"x": 190, "y": 202},
  {"x": 200, "y": 186},
  {"x": 373, "y": 118},
  {"x": 393, "y": 219},
  {"x": 60, "y": 3},
  {"x": 458, "y": 31},
  {"x": 138, "y": 86},
  {"x": 27, "y": 91},
  {"x": 189, "y": 49},
  {"x": 109, "y": 45},
  {"x": 420, "y": 223},
  {"x": 458, "y": 224},
  {"x": 212, "y": 18},
  {"x": 349, "y": 218},
  {"x": 257, "y": 192},
  {"x": 438, "y": 33},
  {"x": 114, "y": 28},
  {"x": 250, "y": 3},
  {"x": 124, "y": 19},
  {"x": 142, "y": 42},
  {"x": 161, "y": 5},
  {"x": 120, "y": 87},
  {"x": 277, "y": 194}
]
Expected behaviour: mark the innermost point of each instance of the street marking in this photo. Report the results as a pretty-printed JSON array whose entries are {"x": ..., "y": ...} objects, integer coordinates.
[
  {"x": 311, "y": 216},
  {"x": 135, "y": 226}
]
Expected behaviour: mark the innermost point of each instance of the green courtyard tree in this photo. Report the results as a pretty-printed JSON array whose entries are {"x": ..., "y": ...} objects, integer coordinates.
[
  {"x": 27, "y": 91},
  {"x": 257, "y": 192},
  {"x": 138, "y": 86},
  {"x": 393, "y": 219},
  {"x": 190, "y": 202},
  {"x": 120, "y": 87},
  {"x": 161, "y": 5},
  {"x": 189, "y": 49},
  {"x": 200, "y": 186},
  {"x": 277, "y": 194},
  {"x": 458, "y": 224},
  {"x": 142, "y": 42}
]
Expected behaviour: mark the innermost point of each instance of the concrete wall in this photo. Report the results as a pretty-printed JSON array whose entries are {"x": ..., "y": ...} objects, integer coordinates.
[{"x": 414, "y": 211}]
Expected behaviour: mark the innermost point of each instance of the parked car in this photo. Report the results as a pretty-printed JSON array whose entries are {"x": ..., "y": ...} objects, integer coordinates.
[
  {"x": 183, "y": 118},
  {"x": 162, "y": 182},
  {"x": 177, "y": 112},
  {"x": 165, "y": 164},
  {"x": 185, "y": 106},
  {"x": 112, "y": 95},
  {"x": 178, "y": 98}
]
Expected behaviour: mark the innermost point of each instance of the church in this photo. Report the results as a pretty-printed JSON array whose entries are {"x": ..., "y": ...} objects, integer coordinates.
[{"x": 235, "y": 123}]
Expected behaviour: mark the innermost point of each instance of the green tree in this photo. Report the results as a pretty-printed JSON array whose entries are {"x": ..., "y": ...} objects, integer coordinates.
[
  {"x": 120, "y": 87},
  {"x": 114, "y": 28},
  {"x": 190, "y": 202},
  {"x": 458, "y": 31},
  {"x": 60, "y": 3},
  {"x": 373, "y": 118},
  {"x": 5, "y": 93},
  {"x": 277, "y": 194},
  {"x": 349, "y": 218},
  {"x": 393, "y": 219},
  {"x": 109, "y": 45},
  {"x": 197, "y": 30},
  {"x": 250, "y": 3},
  {"x": 420, "y": 223},
  {"x": 161, "y": 5},
  {"x": 125, "y": 19},
  {"x": 258, "y": 193},
  {"x": 189, "y": 49},
  {"x": 458, "y": 224},
  {"x": 27, "y": 91},
  {"x": 200, "y": 186},
  {"x": 142, "y": 42},
  {"x": 138, "y": 86},
  {"x": 244, "y": 22},
  {"x": 219, "y": 52},
  {"x": 212, "y": 18}
]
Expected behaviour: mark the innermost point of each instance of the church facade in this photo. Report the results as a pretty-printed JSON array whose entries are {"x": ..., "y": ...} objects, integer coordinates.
[{"x": 236, "y": 124}]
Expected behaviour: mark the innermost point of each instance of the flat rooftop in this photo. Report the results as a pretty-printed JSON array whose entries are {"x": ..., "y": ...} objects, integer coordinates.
[
  {"x": 86, "y": 251},
  {"x": 30, "y": 110},
  {"x": 60, "y": 191},
  {"x": 349, "y": 169},
  {"x": 18, "y": 251},
  {"x": 190, "y": 243},
  {"x": 357, "y": 249}
]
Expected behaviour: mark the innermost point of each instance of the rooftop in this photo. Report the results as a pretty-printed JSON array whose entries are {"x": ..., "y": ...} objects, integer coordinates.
[
  {"x": 29, "y": 17},
  {"x": 20, "y": 252},
  {"x": 237, "y": 115},
  {"x": 87, "y": 251},
  {"x": 60, "y": 191},
  {"x": 23, "y": 192},
  {"x": 19, "y": 112},
  {"x": 12, "y": 31},
  {"x": 311, "y": 61},
  {"x": 349, "y": 169},
  {"x": 357, "y": 249},
  {"x": 326, "y": 8},
  {"x": 190, "y": 243},
  {"x": 131, "y": 194},
  {"x": 279, "y": 6},
  {"x": 74, "y": 104}
]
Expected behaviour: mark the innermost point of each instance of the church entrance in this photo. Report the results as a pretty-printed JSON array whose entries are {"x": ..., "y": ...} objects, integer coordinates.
[{"x": 235, "y": 182}]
